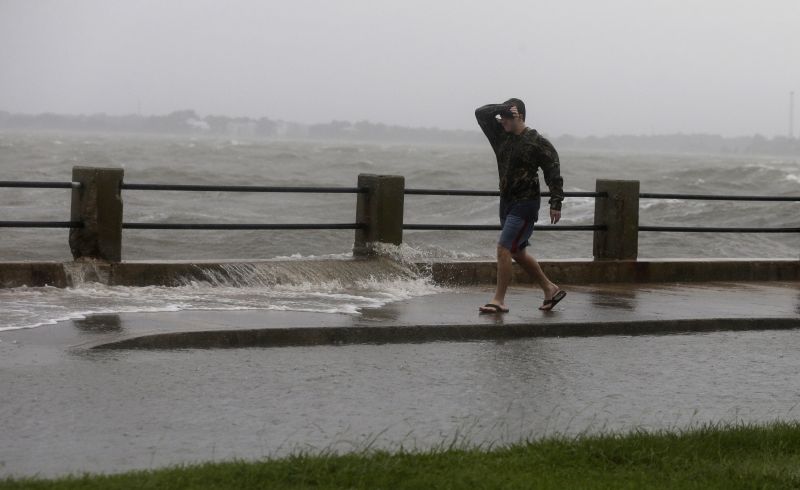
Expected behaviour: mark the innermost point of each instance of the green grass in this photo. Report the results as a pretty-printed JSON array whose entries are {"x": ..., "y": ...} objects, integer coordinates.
[{"x": 730, "y": 457}]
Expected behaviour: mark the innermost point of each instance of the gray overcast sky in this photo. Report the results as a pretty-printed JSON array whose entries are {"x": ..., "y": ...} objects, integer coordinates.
[{"x": 582, "y": 66}]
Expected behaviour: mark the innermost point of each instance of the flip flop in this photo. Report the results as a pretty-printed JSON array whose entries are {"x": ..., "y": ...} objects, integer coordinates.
[
  {"x": 551, "y": 303},
  {"x": 492, "y": 308}
]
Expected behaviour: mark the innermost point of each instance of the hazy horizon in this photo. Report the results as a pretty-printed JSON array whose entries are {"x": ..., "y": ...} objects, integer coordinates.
[
  {"x": 476, "y": 130},
  {"x": 583, "y": 68}
]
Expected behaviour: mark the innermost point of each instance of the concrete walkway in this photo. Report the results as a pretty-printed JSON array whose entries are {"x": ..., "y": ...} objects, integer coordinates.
[{"x": 449, "y": 316}]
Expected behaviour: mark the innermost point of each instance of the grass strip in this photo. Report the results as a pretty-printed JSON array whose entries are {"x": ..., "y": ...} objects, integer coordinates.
[{"x": 707, "y": 457}]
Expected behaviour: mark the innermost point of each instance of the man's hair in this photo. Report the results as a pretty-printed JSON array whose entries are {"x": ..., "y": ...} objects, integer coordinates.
[{"x": 519, "y": 105}]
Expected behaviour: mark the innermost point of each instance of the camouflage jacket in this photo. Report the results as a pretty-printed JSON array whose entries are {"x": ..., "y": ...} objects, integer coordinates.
[{"x": 519, "y": 157}]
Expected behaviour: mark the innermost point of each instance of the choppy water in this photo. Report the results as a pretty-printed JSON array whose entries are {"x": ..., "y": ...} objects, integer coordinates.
[{"x": 183, "y": 160}]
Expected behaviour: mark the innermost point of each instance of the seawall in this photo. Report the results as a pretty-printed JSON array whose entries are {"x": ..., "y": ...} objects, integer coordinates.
[{"x": 175, "y": 273}]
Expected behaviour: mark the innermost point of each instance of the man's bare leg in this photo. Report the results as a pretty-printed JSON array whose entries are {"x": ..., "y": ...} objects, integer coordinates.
[
  {"x": 503, "y": 276},
  {"x": 532, "y": 267}
]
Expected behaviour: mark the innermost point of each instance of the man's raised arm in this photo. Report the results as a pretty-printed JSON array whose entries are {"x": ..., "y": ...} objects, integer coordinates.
[{"x": 488, "y": 123}]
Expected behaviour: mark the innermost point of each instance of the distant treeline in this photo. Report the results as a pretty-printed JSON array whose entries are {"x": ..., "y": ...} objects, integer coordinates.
[
  {"x": 189, "y": 122},
  {"x": 686, "y": 143}
]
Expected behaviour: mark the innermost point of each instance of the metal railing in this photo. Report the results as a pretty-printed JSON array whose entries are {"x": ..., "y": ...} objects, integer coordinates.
[
  {"x": 193, "y": 188},
  {"x": 242, "y": 226},
  {"x": 242, "y": 188},
  {"x": 41, "y": 224},
  {"x": 717, "y": 229},
  {"x": 40, "y": 185},
  {"x": 363, "y": 192},
  {"x": 709, "y": 197},
  {"x": 642, "y": 195},
  {"x": 406, "y": 226},
  {"x": 468, "y": 192}
]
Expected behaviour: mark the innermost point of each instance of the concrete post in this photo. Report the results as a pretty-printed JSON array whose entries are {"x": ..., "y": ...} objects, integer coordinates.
[
  {"x": 380, "y": 209},
  {"x": 619, "y": 212},
  {"x": 98, "y": 204}
]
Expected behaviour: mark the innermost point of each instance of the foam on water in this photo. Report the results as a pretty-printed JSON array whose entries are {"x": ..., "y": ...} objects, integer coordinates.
[
  {"x": 406, "y": 254},
  {"x": 341, "y": 256},
  {"x": 32, "y": 307},
  {"x": 329, "y": 286}
]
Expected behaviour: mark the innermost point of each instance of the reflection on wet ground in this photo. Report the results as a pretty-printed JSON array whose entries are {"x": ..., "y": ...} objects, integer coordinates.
[
  {"x": 620, "y": 300},
  {"x": 105, "y": 323}
]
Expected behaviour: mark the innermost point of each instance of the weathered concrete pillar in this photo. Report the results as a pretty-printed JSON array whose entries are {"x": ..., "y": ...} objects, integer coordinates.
[
  {"x": 619, "y": 212},
  {"x": 98, "y": 204},
  {"x": 380, "y": 209}
]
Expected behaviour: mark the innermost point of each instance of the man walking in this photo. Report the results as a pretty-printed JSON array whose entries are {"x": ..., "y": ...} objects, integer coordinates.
[{"x": 520, "y": 152}]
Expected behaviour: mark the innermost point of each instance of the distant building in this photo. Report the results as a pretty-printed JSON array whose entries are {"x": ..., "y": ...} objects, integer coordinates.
[
  {"x": 198, "y": 124},
  {"x": 241, "y": 128}
]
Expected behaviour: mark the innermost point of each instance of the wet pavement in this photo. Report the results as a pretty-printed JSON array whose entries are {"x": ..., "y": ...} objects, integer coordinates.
[
  {"x": 587, "y": 310},
  {"x": 66, "y": 408}
]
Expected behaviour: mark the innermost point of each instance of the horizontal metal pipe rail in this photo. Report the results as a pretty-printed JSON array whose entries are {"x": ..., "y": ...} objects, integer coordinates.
[
  {"x": 412, "y": 226},
  {"x": 713, "y": 229},
  {"x": 242, "y": 188},
  {"x": 643, "y": 195},
  {"x": 241, "y": 226},
  {"x": 708, "y": 229},
  {"x": 194, "y": 188},
  {"x": 41, "y": 224},
  {"x": 707, "y": 197},
  {"x": 40, "y": 185},
  {"x": 463, "y": 192},
  {"x": 466, "y": 192},
  {"x": 355, "y": 190}
]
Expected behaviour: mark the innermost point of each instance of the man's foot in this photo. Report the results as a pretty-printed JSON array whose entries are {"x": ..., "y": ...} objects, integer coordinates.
[
  {"x": 493, "y": 308},
  {"x": 551, "y": 303}
]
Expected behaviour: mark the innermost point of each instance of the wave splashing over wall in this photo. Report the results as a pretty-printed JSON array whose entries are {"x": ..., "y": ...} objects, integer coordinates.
[{"x": 321, "y": 286}]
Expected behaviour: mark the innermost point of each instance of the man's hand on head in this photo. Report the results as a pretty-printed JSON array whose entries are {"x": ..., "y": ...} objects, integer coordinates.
[
  {"x": 555, "y": 215},
  {"x": 514, "y": 112}
]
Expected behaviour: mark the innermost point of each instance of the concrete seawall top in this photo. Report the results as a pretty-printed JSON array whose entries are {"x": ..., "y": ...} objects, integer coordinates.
[{"x": 174, "y": 273}]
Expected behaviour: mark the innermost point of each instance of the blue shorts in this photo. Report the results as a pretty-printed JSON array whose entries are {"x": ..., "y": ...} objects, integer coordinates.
[{"x": 517, "y": 219}]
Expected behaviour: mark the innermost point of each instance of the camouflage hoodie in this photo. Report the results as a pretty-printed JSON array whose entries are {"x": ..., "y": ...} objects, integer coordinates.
[{"x": 519, "y": 157}]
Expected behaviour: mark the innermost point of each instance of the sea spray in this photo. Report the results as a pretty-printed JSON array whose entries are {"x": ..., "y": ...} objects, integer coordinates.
[
  {"x": 85, "y": 271},
  {"x": 293, "y": 272},
  {"x": 322, "y": 286}
]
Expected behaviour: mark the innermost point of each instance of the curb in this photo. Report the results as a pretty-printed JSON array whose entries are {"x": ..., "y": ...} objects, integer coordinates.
[{"x": 314, "y": 336}]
